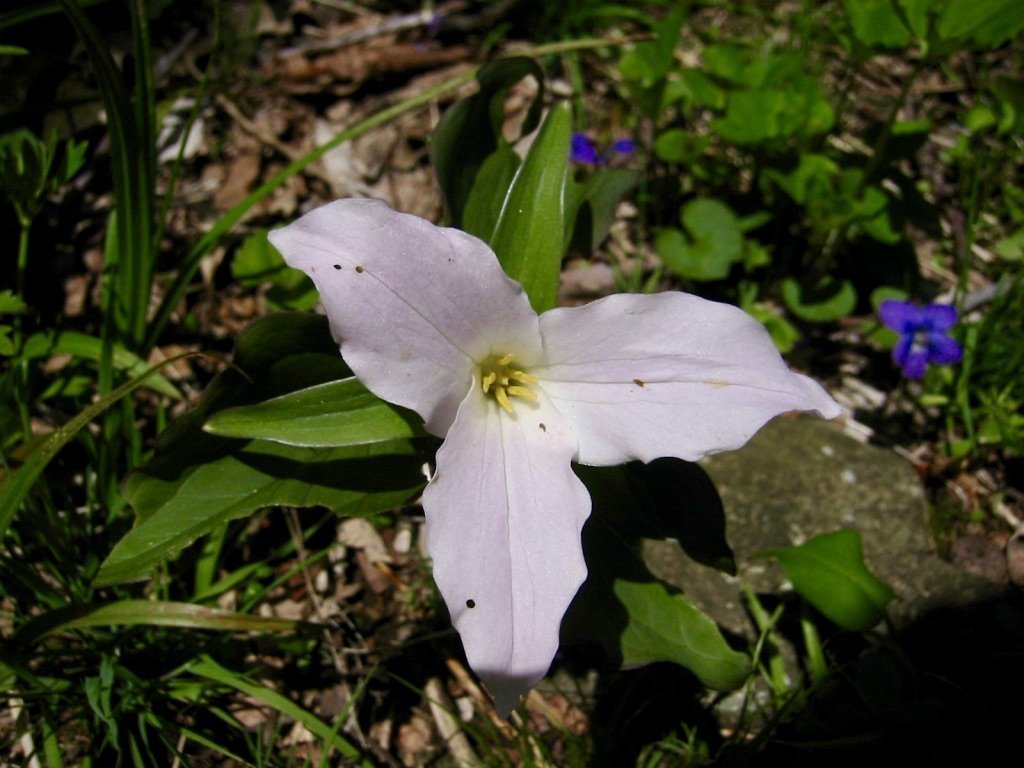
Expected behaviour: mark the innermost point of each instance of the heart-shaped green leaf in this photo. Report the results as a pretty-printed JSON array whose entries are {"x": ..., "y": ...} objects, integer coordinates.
[
  {"x": 712, "y": 244},
  {"x": 829, "y": 572}
]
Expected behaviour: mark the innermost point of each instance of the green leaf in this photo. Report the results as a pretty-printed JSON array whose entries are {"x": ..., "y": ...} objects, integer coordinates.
[
  {"x": 197, "y": 481},
  {"x": 622, "y": 608},
  {"x": 678, "y": 146},
  {"x": 1011, "y": 247},
  {"x": 47, "y": 343},
  {"x": 648, "y": 62},
  {"x": 829, "y": 300},
  {"x": 335, "y": 414},
  {"x": 714, "y": 244},
  {"x": 15, "y": 484},
  {"x": 529, "y": 236},
  {"x": 207, "y": 668},
  {"x": 176, "y": 508},
  {"x": 812, "y": 178},
  {"x": 632, "y": 616},
  {"x": 829, "y": 572},
  {"x": 876, "y": 24},
  {"x": 981, "y": 23},
  {"x": 1010, "y": 93},
  {"x": 470, "y": 131},
  {"x": 25, "y": 162},
  {"x": 757, "y": 116},
  {"x": 487, "y": 196},
  {"x": 10, "y": 304},
  {"x": 127, "y": 613},
  {"x": 590, "y": 206},
  {"x": 665, "y": 626},
  {"x": 257, "y": 262},
  {"x": 916, "y": 14}
]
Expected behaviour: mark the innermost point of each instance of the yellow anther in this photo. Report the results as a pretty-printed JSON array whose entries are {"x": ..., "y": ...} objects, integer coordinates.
[
  {"x": 522, "y": 376},
  {"x": 496, "y": 380},
  {"x": 502, "y": 398},
  {"x": 525, "y": 392}
]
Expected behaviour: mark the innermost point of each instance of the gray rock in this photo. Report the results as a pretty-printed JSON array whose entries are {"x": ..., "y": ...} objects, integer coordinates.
[{"x": 802, "y": 477}]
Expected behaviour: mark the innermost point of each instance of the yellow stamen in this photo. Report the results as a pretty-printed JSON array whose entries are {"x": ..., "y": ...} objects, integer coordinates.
[
  {"x": 522, "y": 376},
  {"x": 501, "y": 382},
  {"x": 525, "y": 392},
  {"x": 503, "y": 401}
]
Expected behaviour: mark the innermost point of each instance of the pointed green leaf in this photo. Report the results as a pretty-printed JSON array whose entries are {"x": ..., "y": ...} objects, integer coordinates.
[
  {"x": 126, "y": 613},
  {"x": 334, "y": 414},
  {"x": 176, "y": 510},
  {"x": 46, "y": 343},
  {"x": 529, "y": 236},
  {"x": 197, "y": 481},
  {"x": 470, "y": 132},
  {"x": 829, "y": 572},
  {"x": 207, "y": 668},
  {"x": 490, "y": 188}
]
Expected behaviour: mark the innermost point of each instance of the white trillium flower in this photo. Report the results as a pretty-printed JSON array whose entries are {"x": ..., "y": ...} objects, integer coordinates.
[{"x": 427, "y": 319}]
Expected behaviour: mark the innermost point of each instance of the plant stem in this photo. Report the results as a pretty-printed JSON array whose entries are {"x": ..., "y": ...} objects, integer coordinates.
[{"x": 21, "y": 384}]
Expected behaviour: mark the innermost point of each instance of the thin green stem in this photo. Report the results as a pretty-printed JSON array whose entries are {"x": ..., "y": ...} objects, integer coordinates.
[
  {"x": 187, "y": 271},
  {"x": 21, "y": 394},
  {"x": 882, "y": 142}
]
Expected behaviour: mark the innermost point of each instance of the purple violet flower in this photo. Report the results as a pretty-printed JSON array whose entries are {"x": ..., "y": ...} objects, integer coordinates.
[
  {"x": 923, "y": 335},
  {"x": 583, "y": 150},
  {"x": 622, "y": 147}
]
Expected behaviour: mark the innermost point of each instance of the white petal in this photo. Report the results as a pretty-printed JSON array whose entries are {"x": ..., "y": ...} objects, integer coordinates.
[
  {"x": 504, "y": 513},
  {"x": 671, "y": 374},
  {"x": 413, "y": 305}
]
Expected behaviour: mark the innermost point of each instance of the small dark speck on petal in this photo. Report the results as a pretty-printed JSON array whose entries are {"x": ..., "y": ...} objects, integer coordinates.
[
  {"x": 638, "y": 382},
  {"x": 337, "y": 266},
  {"x": 359, "y": 270},
  {"x": 542, "y": 427},
  {"x": 471, "y": 603}
]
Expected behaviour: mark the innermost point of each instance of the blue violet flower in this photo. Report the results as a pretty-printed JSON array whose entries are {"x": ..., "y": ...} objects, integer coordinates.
[
  {"x": 583, "y": 150},
  {"x": 923, "y": 335}
]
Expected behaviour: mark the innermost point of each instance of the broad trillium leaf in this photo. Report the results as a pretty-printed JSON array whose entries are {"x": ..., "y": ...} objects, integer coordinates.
[
  {"x": 198, "y": 481},
  {"x": 427, "y": 319}
]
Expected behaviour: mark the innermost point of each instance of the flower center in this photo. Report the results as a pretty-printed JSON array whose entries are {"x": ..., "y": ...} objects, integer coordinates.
[{"x": 501, "y": 381}]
